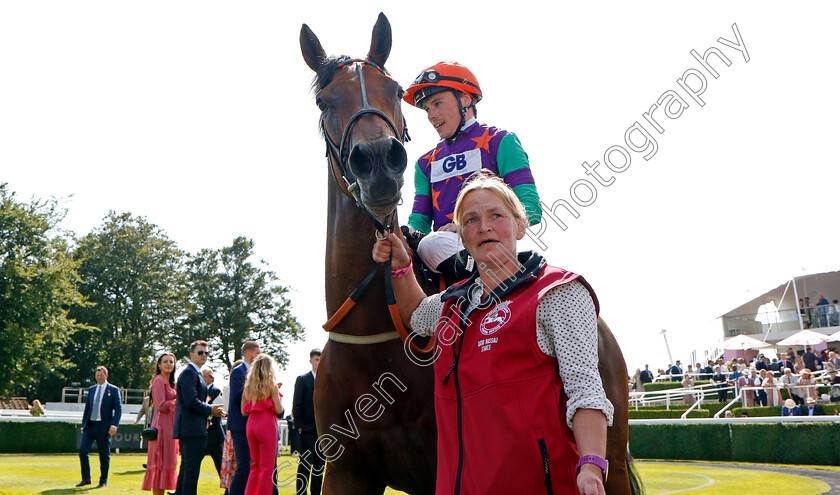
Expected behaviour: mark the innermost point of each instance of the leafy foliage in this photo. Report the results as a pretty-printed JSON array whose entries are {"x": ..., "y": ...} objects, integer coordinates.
[
  {"x": 37, "y": 287},
  {"x": 233, "y": 300},
  {"x": 132, "y": 274}
]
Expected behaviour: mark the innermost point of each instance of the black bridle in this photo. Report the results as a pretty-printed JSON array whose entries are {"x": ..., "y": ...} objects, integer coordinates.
[{"x": 339, "y": 154}]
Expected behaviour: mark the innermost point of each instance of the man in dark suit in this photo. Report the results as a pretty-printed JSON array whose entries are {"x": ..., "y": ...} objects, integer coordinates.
[
  {"x": 191, "y": 415},
  {"x": 720, "y": 379},
  {"x": 215, "y": 432},
  {"x": 676, "y": 372},
  {"x": 810, "y": 360},
  {"x": 99, "y": 422},
  {"x": 237, "y": 423},
  {"x": 812, "y": 408},
  {"x": 303, "y": 411},
  {"x": 647, "y": 375}
]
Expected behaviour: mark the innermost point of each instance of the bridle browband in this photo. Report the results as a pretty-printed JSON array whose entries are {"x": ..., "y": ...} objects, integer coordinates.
[{"x": 339, "y": 154}]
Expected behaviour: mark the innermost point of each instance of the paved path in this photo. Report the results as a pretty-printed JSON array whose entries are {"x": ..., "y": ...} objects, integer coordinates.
[{"x": 828, "y": 476}]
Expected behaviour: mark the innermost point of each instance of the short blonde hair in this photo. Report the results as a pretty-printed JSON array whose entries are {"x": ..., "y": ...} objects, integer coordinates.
[{"x": 486, "y": 180}]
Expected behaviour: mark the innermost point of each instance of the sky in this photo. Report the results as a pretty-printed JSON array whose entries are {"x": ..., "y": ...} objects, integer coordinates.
[{"x": 198, "y": 116}]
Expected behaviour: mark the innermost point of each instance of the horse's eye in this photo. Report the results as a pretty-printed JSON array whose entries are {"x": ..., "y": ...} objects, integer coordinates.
[{"x": 321, "y": 105}]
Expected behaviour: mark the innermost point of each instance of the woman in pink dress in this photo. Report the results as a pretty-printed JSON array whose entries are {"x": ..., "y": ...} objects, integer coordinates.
[
  {"x": 261, "y": 403},
  {"x": 162, "y": 463}
]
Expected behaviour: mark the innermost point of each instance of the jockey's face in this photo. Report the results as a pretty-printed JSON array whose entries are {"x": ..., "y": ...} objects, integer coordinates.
[{"x": 444, "y": 113}]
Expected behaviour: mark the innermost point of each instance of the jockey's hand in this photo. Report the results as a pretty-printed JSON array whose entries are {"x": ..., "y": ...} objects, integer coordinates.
[
  {"x": 392, "y": 248},
  {"x": 590, "y": 480},
  {"x": 450, "y": 227}
]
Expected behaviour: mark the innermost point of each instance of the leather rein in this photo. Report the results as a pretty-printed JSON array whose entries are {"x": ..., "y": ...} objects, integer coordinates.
[{"x": 337, "y": 155}]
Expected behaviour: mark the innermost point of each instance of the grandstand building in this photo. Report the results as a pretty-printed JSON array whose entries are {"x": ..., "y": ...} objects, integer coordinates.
[{"x": 776, "y": 314}]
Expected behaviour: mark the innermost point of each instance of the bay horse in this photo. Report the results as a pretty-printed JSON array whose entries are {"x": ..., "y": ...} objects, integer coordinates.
[{"x": 374, "y": 405}]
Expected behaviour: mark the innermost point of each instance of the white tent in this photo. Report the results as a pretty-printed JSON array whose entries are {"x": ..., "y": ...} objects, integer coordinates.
[
  {"x": 806, "y": 337},
  {"x": 743, "y": 342}
]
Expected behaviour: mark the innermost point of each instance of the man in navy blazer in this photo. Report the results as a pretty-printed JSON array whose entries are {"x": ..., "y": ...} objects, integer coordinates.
[
  {"x": 303, "y": 411},
  {"x": 99, "y": 422},
  {"x": 215, "y": 432},
  {"x": 191, "y": 415},
  {"x": 237, "y": 422}
]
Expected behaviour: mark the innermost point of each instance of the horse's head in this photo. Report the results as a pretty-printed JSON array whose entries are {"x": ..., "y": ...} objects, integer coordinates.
[{"x": 361, "y": 119}]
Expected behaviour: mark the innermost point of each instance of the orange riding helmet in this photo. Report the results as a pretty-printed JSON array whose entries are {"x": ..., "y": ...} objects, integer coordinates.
[{"x": 443, "y": 76}]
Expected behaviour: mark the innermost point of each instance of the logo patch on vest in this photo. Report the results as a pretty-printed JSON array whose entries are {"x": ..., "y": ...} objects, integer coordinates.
[
  {"x": 454, "y": 165},
  {"x": 495, "y": 319}
]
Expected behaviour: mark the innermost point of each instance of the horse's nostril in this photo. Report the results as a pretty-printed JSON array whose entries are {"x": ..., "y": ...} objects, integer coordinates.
[
  {"x": 397, "y": 160},
  {"x": 360, "y": 162}
]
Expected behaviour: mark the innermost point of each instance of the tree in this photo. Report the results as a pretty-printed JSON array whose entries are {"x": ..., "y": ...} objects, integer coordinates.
[
  {"x": 233, "y": 300},
  {"x": 132, "y": 275},
  {"x": 37, "y": 288}
]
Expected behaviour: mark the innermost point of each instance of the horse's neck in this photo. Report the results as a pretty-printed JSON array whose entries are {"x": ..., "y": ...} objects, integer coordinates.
[{"x": 350, "y": 239}]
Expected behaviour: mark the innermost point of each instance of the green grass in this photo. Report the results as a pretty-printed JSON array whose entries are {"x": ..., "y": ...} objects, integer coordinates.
[
  {"x": 56, "y": 475},
  {"x": 662, "y": 479}
]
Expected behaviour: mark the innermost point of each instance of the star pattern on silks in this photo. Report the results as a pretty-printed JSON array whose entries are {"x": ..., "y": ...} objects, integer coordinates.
[
  {"x": 483, "y": 141},
  {"x": 435, "y": 195}
]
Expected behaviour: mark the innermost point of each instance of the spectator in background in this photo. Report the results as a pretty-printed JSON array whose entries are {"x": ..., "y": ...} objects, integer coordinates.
[
  {"x": 835, "y": 315},
  {"x": 191, "y": 415},
  {"x": 791, "y": 409},
  {"x": 647, "y": 375},
  {"x": 720, "y": 379},
  {"x": 810, "y": 360},
  {"x": 734, "y": 376},
  {"x": 261, "y": 403},
  {"x": 775, "y": 367},
  {"x": 100, "y": 420},
  {"x": 162, "y": 459},
  {"x": 303, "y": 410},
  {"x": 804, "y": 315},
  {"x": 688, "y": 384},
  {"x": 676, "y": 372},
  {"x": 747, "y": 396},
  {"x": 760, "y": 394},
  {"x": 771, "y": 387},
  {"x": 807, "y": 380},
  {"x": 790, "y": 382},
  {"x": 146, "y": 410},
  {"x": 810, "y": 313},
  {"x": 37, "y": 409},
  {"x": 215, "y": 433},
  {"x": 812, "y": 408},
  {"x": 760, "y": 364},
  {"x": 237, "y": 423},
  {"x": 708, "y": 371},
  {"x": 636, "y": 381},
  {"x": 785, "y": 362},
  {"x": 822, "y": 311},
  {"x": 833, "y": 382},
  {"x": 799, "y": 365},
  {"x": 833, "y": 361}
]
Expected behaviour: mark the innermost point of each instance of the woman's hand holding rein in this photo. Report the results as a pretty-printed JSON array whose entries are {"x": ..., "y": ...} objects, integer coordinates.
[{"x": 393, "y": 248}]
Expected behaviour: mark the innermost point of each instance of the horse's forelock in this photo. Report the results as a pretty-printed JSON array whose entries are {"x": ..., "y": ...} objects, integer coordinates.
[{"x": 326, "y": 71}]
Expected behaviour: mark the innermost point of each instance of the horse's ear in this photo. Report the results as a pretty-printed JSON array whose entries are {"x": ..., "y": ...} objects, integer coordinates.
[
  {"x": 380, "y": 41},
  {"x": 313, "y": 53}
]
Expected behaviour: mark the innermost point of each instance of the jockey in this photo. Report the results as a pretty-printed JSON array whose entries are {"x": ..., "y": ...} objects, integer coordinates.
[{"x": 448, "y": 92}]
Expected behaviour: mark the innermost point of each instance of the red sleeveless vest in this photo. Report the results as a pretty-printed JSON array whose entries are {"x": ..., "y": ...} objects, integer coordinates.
[{"x": 503, "y": 403}]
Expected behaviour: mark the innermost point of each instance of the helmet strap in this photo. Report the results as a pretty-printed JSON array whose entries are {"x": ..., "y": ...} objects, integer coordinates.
[{"x": 463, "y": 110}]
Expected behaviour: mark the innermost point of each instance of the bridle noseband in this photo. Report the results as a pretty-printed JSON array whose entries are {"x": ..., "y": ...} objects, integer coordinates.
[{"x": 339, "y": 154}]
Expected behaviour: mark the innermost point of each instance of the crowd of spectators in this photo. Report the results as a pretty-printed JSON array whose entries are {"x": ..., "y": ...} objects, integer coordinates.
[{"x": 759, "y": 381}]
